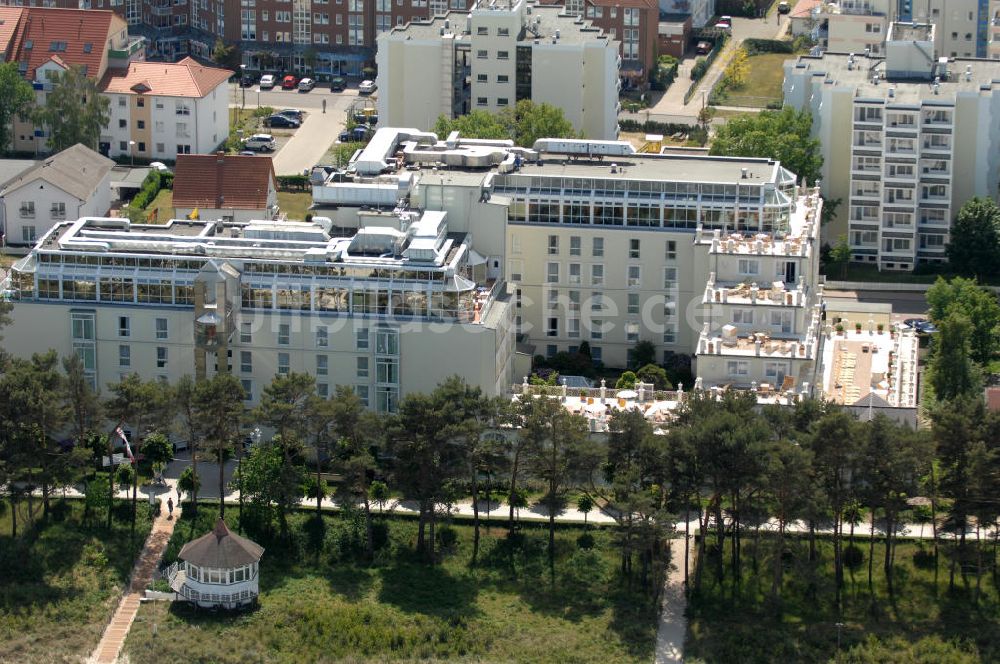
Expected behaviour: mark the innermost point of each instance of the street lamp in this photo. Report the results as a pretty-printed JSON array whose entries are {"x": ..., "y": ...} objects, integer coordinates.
[{"x": 131, "y": 151}]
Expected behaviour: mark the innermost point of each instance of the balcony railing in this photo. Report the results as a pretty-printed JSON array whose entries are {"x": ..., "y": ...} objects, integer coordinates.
[{"x": 134, "y": 45}]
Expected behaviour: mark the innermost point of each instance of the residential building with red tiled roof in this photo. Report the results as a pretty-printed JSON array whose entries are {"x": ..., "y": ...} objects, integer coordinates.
[
  {"x": 221, "y": 186},
  {"x": 44, "y": 41},
  {"x": 160, "y": 110},
  {"x": 9, "y": 19}
]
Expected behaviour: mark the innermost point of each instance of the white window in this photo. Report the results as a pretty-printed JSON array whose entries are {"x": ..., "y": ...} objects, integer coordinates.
[
  {"x": 598, "y": 247},
  {"x": 631, "y": 331},
  {"x": 596, "y": 275},
  {"x": 553, "y": 245},
  {"x": 161, "y": 357},
  {"x": 670, "y": 253},
  {"x": 284, "y": 334},
  {"x": 633, "y": 303},
  {"x": 574, "y": 300},
  {"x": 124, "y": 356},
  {"x": 749, "y": 266},
  {"x": 669, "y": 277},
  {"x": 552, "y": 273},
  {"x": 322, "y": 365},
  {"x": 246, "y": 332},
  {"x": 362, "y": 392},
  {"x": 28, "y": 234},
  {"x": 574, "y": 245},
  {"x": 124, "y": 326},
  {"x": 361, "y": 367},
  {"x": 633, "y": 248},
  {"x": 573, "y": 328},
  {"x": 782, "y": 321},
  {"x": 361, "y": 338},
  {"x": 775, "y": 372},
  {"x": 322, "y": 336},
  {"x": 742, "y": 316},
  {"x": 634, "y": 277},
  {"x": 284, "y": 363},
  {"x": 246, "y": 361},
  {"x": 737, "y": 368},
  {"x": 162, "y": 332},
  {"x": 247, "y": 386},
  {"x": 27, "y": 209},
  {"x": 553, "y": 298},
  {"x": 552, "y": 327},
  {"x": 574, "y": 273},
  {"x": 596, "y": 332}
]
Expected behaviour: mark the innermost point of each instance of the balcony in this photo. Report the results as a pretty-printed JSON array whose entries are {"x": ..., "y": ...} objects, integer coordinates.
[
  {"x": 133, "y": 46},
  {"x": 743, "y": 294}
]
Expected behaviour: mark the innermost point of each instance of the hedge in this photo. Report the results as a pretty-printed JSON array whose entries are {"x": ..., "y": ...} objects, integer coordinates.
[
  {"x": 293, "y": 182},
  {"x": 151, "y": 186},
  {"x": 757, "y": 46},
  {"x": 702, "y": 65}
]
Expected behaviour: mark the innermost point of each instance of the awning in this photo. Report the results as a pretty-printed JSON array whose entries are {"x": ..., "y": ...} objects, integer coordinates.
[{"x": 475, "y": 258}]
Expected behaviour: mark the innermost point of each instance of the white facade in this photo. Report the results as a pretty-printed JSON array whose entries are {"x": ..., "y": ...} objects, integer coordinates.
[
  {"x": 51, "y": 193},
  {"x": 385, "y": 326},
  {"x": 214, "y": 587},
  {"x": 917, "y": 151},
  {"x": 612, "y": 254},
  {"x": 491, "y": 57},
  {"x": 161, "y": 127}
]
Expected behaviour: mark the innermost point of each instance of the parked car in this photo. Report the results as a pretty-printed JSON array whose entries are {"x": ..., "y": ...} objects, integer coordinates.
[
  {"x": 260, "y": 143},
  {"x": 247, "y": 153},
  {"x": 289, "y": 82},
  {"x": 703, "y": 48},
  {"x": 337, "y": 84},
  {"x": 920, "y": 325},
  {"x": 292, "y": 113},
  {"x": 159, "y": 166},
  {"x": 366, "y": 87},
  {"x": 267, "y": 81},
  {"x": 358, "y": 134},
  {"x": 725, "y": 23},
  {"x": 784, "y": 8},
  {"x": 247, "y": 81},
  {"x": 306, "y": 84},
  {"x": 281, "y": 121}
]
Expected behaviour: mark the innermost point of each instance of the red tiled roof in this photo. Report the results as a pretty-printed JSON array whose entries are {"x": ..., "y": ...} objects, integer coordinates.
[
  {"x": 226, "y": 181},
  {"x": 9, "y": 17},
  {"x": 81, "y": 36},
  {"x": 186, "y": 78}
]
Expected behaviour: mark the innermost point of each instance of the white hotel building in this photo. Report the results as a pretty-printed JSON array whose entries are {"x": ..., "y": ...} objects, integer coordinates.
[{"x": 435, "y": 253}]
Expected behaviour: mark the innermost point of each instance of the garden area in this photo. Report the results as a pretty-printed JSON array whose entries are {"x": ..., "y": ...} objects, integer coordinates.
[
  {"x": 61, "y": 578},
  {"x": 321, "y": 601},
  {"x": 755, "y": 74},
  {"x": 741, "y": 621}
]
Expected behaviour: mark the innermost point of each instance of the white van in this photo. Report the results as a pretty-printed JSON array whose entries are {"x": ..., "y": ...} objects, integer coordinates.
[{"x": 260, "y": 143}]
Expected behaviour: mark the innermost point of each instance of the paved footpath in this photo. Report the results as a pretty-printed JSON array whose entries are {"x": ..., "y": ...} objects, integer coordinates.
[
  {"x": 673, "y": 623},
  {"x": 142, "y": 574}
]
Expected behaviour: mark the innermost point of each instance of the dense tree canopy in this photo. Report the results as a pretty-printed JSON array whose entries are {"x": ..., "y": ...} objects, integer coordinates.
[
  {"x": 16, "y": 98},
  {"x": 783, "y": 135},
  {"x": 523, "y": 123},
  {"x": 74, "y": 111},
  {"x": 974, "y": 246}
]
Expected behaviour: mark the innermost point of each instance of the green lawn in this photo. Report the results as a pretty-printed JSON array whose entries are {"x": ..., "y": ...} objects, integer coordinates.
[
  {"x": 764, "y": 81},
  {"x": 163, "y": 205},
  {"x": 399, "y": 609},
  {"x": 744, "y": 625},
  {"x": 294, "y": 204},
  {"x": 60, "y": 581}
]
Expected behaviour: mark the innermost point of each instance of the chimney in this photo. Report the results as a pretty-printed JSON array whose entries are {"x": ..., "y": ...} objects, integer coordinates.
[{"x": 220, "y": 157}]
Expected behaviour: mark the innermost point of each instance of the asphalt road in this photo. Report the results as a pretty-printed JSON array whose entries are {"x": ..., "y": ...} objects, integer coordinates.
[{"x": 309, "y": 142}]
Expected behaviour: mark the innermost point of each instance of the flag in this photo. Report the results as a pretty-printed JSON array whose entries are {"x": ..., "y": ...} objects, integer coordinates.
[{"x": 128, "y": 448}]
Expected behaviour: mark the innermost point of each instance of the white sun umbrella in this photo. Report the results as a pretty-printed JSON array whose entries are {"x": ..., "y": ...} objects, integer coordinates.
[{"x": 627, "y": 394}]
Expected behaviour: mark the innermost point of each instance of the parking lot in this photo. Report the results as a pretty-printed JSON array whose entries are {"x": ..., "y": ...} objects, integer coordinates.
[{"x": 300, "y": 149}]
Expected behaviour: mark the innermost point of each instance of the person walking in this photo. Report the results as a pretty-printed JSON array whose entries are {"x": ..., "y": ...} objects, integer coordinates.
[{"x": 170, "y": 508}]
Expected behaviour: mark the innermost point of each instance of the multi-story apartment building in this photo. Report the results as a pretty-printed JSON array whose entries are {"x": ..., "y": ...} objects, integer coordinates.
[
  {"x": 700, "y": 11},
  {"x": 924, "y": 138},
  {"x": 493, "y": 56},
  {"x": 852, "y": 26},
  {"x": 160, "y": 110},
  {"x": 389, "y": 309},
  {"x": 633, "y": 23},
  {"x": 702, "y": 256},
  {"x": 157, "y": 110}
]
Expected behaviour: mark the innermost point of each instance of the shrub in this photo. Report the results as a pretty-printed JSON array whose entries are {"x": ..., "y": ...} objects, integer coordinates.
[
  {"x": 293, "y": 182},
  {"x": 150, "y": 188},
  {"x": 854, "y": 557},
  {"x": 923, "y": 559},
  {"x": 698, "y": 70},
  {"x": 585, "y": 541},
  {"x": 447, "y": 537},
  {"x": 757, "y": 46}
]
